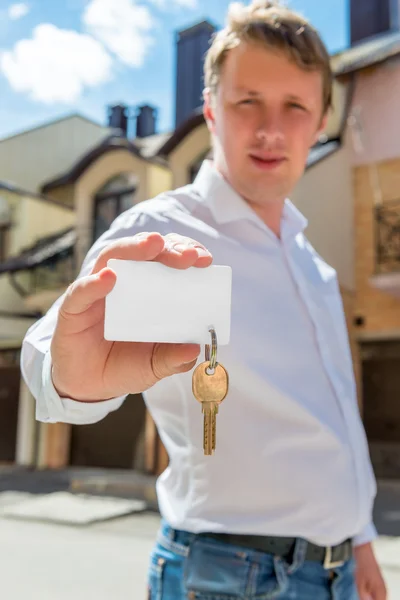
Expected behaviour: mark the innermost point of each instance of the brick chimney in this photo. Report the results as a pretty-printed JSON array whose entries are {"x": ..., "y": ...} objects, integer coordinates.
[
  {"x": 369, "y": 18},
  {"x": 191, "y": 47}
]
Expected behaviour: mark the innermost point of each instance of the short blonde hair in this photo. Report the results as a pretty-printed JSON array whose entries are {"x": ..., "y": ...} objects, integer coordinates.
[{"x": 270, "y": 23}]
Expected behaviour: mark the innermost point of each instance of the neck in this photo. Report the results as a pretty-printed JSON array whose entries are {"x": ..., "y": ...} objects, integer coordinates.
[{"x": 271, "y": 213}]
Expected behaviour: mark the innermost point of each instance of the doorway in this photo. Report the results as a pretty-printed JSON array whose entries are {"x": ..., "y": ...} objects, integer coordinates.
[{"x": 381, "y": 406}]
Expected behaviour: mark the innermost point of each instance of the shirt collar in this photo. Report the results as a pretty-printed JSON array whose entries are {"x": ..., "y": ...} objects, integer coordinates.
[{"x": 227, "y": 205}]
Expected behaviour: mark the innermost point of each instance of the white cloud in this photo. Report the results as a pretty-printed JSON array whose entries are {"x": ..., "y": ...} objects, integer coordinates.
[
  {"x": 55, "y": 65},
  {"x": 175, "y": 3},
  {"x": 123, "y": 26},
  {"x": 17, "y": 11}
]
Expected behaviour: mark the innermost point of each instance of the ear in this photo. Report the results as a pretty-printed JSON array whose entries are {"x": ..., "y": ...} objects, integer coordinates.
[
  {"x": 208, "y": 110},
  {"x": 321, "y": 128}
]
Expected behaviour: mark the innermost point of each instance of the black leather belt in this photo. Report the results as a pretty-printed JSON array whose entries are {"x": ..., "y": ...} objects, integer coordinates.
[{"x": 330, "y": 556}]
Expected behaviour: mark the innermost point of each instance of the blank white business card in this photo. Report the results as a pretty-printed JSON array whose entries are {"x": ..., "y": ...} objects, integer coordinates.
[{"x": 154, "y": 303}]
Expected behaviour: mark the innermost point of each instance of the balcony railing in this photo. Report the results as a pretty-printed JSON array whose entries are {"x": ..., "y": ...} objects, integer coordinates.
[
  {"x": 388, "y": 237},
  {"x": 60, "y": 272}
]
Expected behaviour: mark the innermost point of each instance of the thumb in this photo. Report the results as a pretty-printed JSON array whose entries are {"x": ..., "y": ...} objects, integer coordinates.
[
  {"x": 84, "y": 292},
  {"x": 169, "y": 359}
]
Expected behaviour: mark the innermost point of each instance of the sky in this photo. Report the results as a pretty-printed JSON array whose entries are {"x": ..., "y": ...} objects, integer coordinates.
[{"x": 59, "y": 57}]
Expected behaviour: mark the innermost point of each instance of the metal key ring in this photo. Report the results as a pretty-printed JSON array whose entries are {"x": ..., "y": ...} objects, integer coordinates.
[{"x": 214, "y": 347}]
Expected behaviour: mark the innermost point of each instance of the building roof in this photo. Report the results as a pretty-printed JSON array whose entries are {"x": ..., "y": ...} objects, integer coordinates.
[
  {"x": 150, "y": 145},
  {"x": 323, "y": 150},
  {"x": 11, "y": 188},
  {"x": 195, "y": 120},
  {"x": 44, "y": 249},
  {"x": 54, "y": 122},
  {"x": 115, "y": 141},
  {"x": 367, "y": 53}
]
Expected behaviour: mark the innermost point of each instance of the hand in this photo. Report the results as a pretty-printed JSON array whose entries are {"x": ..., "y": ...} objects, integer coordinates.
[
  {"x": 86, "y": 367},
  {"x": 370, "y": 583}
]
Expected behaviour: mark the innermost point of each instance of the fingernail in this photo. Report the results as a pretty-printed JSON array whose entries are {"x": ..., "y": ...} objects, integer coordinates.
[
  {"x": 179, "y": 247},
  {"x": 189, "y": 362},
  {"x": 203, "y": 253}
]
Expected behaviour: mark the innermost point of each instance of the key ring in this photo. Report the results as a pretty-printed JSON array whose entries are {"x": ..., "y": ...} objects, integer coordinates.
[{"x": 214, "y": 347}]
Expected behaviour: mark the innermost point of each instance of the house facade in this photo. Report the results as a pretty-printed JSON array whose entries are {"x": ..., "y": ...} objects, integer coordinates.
[
  {"x": 373, "y": 140},
  {"x": 27, "y": 219},
  {"x": 351, "y": 224}
]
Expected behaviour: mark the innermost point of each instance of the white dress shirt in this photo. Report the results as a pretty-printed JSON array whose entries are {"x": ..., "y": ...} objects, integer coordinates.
[{"x": 292, "y": 456}]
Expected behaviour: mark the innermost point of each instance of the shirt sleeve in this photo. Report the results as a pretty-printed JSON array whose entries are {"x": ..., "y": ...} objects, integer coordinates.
[
  {"x": 369, "y": 534},
  {"x": 35, "y": 353}
]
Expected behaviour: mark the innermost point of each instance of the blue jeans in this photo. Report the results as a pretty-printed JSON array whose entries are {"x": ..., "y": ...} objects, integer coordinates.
[{"x": 184, "y": 566}]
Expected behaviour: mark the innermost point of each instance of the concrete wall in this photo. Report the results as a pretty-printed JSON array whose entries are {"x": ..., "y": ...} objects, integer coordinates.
[
  {"x": 64, "y": 194},
  {"x": 13, "y": 330},
  {"x": 376, "y": 136},
  {"x": 159, "y": 179},
  {"x": 193, "y": 146},
  {"x": 31, "y": 158},
  {"x": 32, "y": 219},
  {"x": 37, "y": 219},
  {"x": 324, "y": 196}
]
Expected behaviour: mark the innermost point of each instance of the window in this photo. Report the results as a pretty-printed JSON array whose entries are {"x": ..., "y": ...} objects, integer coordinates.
[{"x": 114, "y": 198}]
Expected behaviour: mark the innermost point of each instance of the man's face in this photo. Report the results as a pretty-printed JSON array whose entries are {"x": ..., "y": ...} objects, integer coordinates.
[{"x": 266, "y": 115}]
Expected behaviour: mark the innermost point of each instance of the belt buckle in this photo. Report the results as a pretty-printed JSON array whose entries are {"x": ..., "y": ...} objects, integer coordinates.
[{"x": 329, "y": 563}]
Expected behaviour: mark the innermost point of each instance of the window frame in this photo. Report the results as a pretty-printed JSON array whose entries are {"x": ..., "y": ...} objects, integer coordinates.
[{"x": 101, "y": 196}]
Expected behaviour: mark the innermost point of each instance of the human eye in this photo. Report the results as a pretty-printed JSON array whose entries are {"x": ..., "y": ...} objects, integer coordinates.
[
  {"x": 246, "y": 101},
  {"x": 297, "y": 106}
]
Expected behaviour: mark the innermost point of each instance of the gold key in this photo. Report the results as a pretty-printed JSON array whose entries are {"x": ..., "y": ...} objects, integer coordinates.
[{"x": 210, "y": 386}]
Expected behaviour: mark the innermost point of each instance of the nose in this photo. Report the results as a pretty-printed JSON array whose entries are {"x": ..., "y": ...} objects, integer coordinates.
[{"x": 270, "y": 129}]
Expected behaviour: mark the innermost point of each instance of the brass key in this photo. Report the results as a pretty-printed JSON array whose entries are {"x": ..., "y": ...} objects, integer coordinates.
[
  {"x": 210, "y": 386},
  {"x": 210, "y": 390}
]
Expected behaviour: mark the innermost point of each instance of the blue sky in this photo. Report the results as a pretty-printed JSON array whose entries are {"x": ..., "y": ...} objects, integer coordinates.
[{"x": 64, "y": 56}]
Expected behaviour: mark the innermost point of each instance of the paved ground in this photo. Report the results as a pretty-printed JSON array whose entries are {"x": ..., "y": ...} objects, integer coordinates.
[
  {"x": 105, "y": 561},
  {"x": 108, "y": 560},
  {"x": 48, "y": 562}
]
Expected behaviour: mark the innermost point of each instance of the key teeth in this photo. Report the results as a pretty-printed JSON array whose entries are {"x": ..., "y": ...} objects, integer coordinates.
[{"x": 208, "y": 431}]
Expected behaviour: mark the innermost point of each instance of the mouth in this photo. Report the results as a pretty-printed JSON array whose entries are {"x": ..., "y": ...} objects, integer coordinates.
[{"x": 267, "y": 163}]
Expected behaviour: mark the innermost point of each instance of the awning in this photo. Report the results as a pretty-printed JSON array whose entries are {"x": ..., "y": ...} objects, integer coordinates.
[
  {"x": 321, "y": 151},
  {"x": 45, "y": 249}
]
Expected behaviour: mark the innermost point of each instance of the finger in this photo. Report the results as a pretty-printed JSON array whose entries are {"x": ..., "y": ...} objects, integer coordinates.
[
  {"x": 182, "y": 252},
  {"x": 84, "y": 292},
  {"x": 140, "y": 247},
  {"x": 168, "y": 359}
]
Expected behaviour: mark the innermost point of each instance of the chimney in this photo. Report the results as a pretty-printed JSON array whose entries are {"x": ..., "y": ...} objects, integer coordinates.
[
  {"x": 369, "y": 18},
  {"x": 191, "y": 47},
  {"x": 118, "y": 118},
  {"x": 146, "y": 121}
]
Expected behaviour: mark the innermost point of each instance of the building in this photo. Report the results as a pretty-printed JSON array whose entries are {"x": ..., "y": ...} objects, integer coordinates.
[
  {"x": 26, "y": 219},
  {"x": 371, "y": 69},
  {"x": 338, "y": 194}
]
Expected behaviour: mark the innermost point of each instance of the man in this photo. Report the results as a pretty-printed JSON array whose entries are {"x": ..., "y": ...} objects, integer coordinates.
[{"x": 283, "y": 509}]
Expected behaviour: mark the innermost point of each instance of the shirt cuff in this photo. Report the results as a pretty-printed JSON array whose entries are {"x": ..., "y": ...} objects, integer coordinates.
[
  {"x": 369, "y": 534},
  {"x": 52, "y": 408}
]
